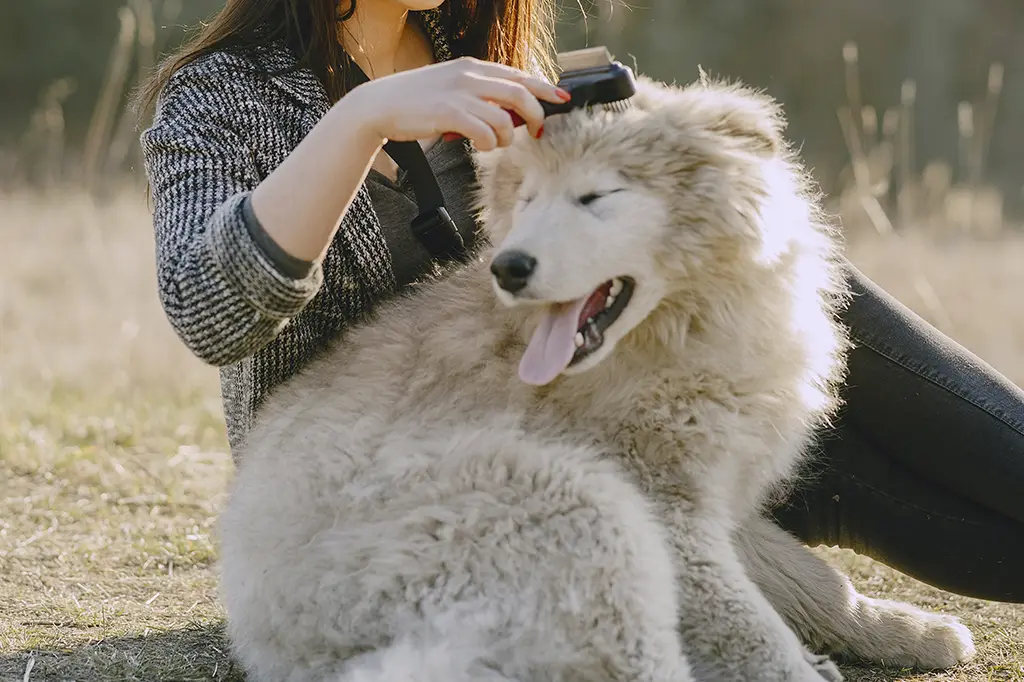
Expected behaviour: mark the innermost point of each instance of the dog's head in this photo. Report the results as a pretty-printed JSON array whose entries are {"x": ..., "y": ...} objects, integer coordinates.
[{"x": 610, "y": 215}]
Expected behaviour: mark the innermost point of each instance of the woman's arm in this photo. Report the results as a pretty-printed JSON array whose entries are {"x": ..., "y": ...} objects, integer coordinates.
[
  {"x": 224, "y": 295},
  {"x": 238, "y": 256},
  {"x": 300, "y": 204},
  {"x": 318, "y": 182}
]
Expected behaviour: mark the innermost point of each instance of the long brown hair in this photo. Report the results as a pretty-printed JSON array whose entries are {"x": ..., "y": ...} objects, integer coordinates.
[{"x": 513, "y": 32}]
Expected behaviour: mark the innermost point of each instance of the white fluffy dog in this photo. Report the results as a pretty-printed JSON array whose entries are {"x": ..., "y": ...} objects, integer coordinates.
[{"x": 548, "y": 465}]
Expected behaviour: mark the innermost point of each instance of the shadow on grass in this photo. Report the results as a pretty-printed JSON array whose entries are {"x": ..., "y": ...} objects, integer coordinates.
[
  {"x": 859, "y": 673},
  {"x": 193, "y": 654},
  {"x": 196, "y": 654}
]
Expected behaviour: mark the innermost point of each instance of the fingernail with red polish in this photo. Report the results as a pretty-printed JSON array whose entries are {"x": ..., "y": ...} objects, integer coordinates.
[
  {"x": 540, "y": 131},
  {"x": 563, "y": 94}
]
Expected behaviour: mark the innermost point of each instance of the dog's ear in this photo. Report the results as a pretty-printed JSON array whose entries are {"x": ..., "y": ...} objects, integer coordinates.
[
  {"x": 748, "y": 115},
  {"x": 738, "y": 113}
]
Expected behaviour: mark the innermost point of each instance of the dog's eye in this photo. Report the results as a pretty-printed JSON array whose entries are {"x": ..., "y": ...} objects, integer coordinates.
[{"x": 591, "y": 197}]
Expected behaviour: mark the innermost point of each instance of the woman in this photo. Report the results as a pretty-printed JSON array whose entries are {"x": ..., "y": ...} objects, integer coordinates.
[{"x": 279, "y": 223}]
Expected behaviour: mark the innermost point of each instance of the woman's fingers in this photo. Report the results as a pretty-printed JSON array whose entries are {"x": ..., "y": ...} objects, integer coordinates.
[
  {"x": 501, "y": 98},
  {"x": 499, "y": 120},
  {"x": 475, "y": 129},
  {"x": 538, "y": 87},
  {"x": 514, "y": 97}
]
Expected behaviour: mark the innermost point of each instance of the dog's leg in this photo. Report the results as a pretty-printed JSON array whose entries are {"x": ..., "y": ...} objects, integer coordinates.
[
  {"x": 729, "y": 630},
  {"x": 823, "y": 607}
]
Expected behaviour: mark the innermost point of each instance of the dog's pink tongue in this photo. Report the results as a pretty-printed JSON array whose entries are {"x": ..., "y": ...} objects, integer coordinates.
[{"x": 552, "y": 345}]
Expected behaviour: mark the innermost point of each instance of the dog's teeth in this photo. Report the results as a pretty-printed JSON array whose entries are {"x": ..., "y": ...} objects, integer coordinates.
[
  {"x": 616, "y": 287},
  {"x": 579, "y": 340},
  {"x": 609, "y": 301}
]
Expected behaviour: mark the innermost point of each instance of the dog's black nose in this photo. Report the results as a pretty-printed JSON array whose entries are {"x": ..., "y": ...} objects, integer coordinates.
[{"x": 512, "y": 269}]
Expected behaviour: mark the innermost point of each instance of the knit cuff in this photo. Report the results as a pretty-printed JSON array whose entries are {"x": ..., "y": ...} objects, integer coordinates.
[
  {"x": 286, "y": 264},
  {"x": 249, "y": 270}
]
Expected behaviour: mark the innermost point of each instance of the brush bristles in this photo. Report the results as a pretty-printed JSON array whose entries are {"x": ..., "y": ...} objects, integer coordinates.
[
  {"x": 619, "y": 106},
  {"x": 616, "y": 107}
]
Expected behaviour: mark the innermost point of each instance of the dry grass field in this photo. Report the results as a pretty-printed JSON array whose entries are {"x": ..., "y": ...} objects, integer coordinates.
[{"x": 113, "y": 459}]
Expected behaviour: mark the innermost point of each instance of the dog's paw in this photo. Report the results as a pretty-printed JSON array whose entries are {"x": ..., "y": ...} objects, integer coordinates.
[
  {"x": 896, "y": 633},
  {"x": 824, "y": 666},
  {"x": 943, "y": 643}
]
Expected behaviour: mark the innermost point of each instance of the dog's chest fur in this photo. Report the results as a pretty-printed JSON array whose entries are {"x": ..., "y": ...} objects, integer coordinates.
[{"x": 691, "y": 438}]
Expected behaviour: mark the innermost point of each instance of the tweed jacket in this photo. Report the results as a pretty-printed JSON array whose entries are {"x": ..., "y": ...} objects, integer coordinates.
[{"x": 221, "y": 125}]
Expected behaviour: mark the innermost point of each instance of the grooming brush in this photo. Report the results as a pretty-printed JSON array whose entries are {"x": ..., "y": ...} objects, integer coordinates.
[{"x": 592, "y": 78}]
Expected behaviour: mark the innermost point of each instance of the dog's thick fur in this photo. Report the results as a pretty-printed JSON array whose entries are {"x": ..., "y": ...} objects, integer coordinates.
[{"x": 409, "y": 509}]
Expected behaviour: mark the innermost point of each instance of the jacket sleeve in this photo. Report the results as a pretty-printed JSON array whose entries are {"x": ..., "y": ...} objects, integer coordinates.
[{"x": 224, "y": 294}]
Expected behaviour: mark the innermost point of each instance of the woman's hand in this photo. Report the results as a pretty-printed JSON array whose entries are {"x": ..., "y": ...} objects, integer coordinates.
[{"x": 466, "y": 96}]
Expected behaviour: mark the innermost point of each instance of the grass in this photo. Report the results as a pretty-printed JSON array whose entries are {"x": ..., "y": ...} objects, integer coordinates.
[{"x": 113, "y": 459}]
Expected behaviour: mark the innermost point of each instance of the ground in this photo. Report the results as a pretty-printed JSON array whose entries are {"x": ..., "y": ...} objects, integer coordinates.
[{"x": 113, "y": 458}]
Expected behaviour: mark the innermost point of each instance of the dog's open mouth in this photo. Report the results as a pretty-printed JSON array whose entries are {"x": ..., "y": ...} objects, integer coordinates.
[
  {"x": 602, "y": 308},
  {"x": 570, "y": 332}
]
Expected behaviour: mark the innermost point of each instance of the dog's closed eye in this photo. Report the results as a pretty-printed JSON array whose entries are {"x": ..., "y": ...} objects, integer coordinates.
[{"x": 591, "y": 197}]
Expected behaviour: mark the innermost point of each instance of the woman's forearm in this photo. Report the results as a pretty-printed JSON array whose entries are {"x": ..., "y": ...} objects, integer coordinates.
[{"x": 300, "y": 204}]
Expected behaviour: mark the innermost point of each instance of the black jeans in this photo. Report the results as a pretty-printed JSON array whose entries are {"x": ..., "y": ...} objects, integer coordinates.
[{"x": 924, "y": 470}]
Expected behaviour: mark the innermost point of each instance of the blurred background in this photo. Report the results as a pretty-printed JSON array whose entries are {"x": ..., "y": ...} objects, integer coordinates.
[
  {"x": 927, "y": 94},
  {"x": 113, "y": 456}
]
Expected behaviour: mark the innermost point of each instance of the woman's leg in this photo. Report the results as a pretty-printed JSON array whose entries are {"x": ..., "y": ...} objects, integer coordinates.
[{"x": 924, "y": 470}]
